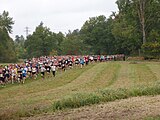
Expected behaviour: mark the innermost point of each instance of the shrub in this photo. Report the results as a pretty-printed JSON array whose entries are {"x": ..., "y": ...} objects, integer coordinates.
[{"x": 151, "y": 50}]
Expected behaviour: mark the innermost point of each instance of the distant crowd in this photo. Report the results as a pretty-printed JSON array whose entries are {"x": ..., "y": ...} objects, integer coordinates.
[{"x": 46, "y": 66}]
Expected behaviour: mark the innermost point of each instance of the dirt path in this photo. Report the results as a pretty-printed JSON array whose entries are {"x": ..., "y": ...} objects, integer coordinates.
[{"x": 133, "y": 109}]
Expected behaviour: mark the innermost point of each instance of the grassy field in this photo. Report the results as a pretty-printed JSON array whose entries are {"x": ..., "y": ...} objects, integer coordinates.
[{"x": 99, "y": 82}]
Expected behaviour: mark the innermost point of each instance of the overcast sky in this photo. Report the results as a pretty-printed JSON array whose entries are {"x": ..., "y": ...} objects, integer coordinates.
[{"x": 58, "y": 15}]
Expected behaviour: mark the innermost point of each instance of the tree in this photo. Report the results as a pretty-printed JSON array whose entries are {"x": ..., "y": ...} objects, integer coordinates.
[
  {"x": 141, "y": 13},
  {"x": 93, "y": 32},
  {"x": 19, "y": 47},
  {"x": 41, "y": 42},
  {"x": 6, "y": 22},
  {"x": 73, "y": 44},
  {"x": 7, "y": 50},
  {"x": 60, "y": 38},
  {"x": 145, "y": 12}
]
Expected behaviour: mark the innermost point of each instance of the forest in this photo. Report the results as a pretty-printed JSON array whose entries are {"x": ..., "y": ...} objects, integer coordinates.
[{"x": 134, "y": 30}]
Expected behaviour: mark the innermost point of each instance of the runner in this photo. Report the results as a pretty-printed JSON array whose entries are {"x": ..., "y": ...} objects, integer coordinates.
[
  {"x": 2, "y": 81},
  {"x": 70, "y": 64},
  {"x": 13, "y": 74},
  {"x": 82, "y": 62},
  {"x": 20, "y": 77},
  {"x": 34, "y": 71},
  {"x": 29, "y": 71},
  {"x": 53, "y": 69},
  {"x": 86, "y": 59},
  {"x": 48, "y": 69},
  {"x": 24, "y": 74},
  {"x": 77, "y": 62},
  {"x": 63, "y": 65},
  {"x": 7, "y": 74},
  {"x": 42, "y": 69}
]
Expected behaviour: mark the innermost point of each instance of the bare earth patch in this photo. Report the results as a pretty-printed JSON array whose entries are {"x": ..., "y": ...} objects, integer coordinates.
[{"x": 133, "y": 109}]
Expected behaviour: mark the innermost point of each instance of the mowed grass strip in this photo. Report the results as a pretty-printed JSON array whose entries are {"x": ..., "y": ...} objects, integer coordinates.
[
  {"x": 155, "y": 68},
  {"x": 123, "y": 76},
  {"x": 104, "y": 78},
  {"x": 132, "y": 75},
  {"x": 143, "y": 74}
]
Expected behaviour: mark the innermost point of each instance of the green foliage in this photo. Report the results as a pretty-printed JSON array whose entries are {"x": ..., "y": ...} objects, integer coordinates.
[
  {"x": 153, "y": 118},
  {"x": 94, "y": 34},
  {"x": 76, "y": 101},
  {"x": 53, "y": 53},
  {"x": 126, "y": 28},
  {"x": 129, "y": 22},
  {"x": 151, "y": 50},
  {"x": 73, "y": 44},
  {"x": 42, "y": 42},
  {"x": 6, "y": 22},
  {"x": 80, "y": 99},
  {"x": 19, "y": 47},
  {"x": 123, "y": 32},
  {"x": 7, "y": 50}
]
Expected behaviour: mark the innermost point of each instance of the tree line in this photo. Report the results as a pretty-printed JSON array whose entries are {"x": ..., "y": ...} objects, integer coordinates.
[{"x": 134, "y": 29}]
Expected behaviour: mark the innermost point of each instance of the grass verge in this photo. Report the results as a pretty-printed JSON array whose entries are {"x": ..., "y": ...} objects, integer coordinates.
[
  {"x": 153, "y": 118},
  {"x": 83, "y": 99}
]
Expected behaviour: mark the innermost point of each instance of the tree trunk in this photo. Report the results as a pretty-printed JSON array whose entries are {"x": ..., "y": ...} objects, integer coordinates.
[{"x": 141, "y": 13}]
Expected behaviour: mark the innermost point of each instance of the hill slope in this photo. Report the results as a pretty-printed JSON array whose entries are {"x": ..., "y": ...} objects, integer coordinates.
[{"x": 38, "y": 96}]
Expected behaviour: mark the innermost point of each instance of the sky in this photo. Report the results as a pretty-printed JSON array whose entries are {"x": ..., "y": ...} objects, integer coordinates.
[{"x": 58, "y": 15}]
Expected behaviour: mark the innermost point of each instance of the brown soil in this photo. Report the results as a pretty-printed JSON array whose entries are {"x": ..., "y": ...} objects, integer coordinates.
[{"x": 127, "y": 109}]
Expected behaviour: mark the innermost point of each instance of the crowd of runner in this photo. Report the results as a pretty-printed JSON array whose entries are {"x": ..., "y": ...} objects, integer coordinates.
[{"x": 45, "y": 66}]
